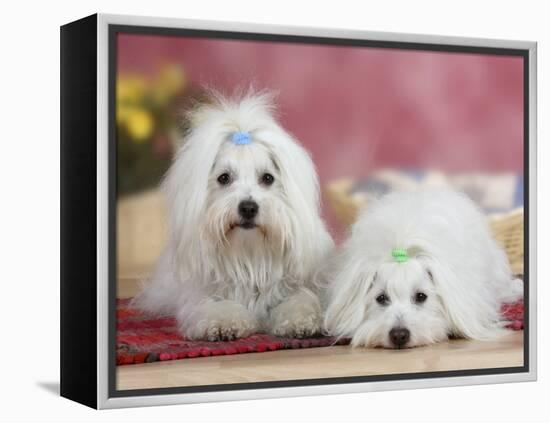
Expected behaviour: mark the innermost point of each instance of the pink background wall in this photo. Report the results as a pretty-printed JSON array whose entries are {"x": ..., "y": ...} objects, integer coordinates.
[{"x": 356, "y": 108}]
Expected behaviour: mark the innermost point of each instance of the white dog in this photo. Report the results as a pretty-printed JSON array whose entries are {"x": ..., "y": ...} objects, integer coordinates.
[
  {"x": 245, "y": 235},
  {"x": 418, "y": 268}
]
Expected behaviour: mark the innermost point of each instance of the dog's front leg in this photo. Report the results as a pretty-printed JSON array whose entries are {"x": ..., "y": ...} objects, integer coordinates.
[
  {"x": 216, "y": 321},
  {"x": 298, "y": 316}
]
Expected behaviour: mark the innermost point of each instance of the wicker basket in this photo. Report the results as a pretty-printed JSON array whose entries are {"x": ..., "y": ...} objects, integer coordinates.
[
  {"x": 507, "y": 228},
  {"x": 141, "y": 233},
  {"x": 344, "y": 203}
]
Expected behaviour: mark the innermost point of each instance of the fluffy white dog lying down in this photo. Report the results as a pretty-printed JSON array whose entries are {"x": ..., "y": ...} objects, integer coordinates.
[
  {"x": 418, "y": 268},
  {"x": 245, "y": 235}
]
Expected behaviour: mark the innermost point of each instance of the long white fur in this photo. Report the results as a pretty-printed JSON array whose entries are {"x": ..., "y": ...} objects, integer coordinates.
[
  {"x": 453, "y": 259},
  {"x": 221, "y": 282}
]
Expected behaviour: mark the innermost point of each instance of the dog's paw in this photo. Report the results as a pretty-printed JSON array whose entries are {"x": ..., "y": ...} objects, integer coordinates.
[
  {"x": 222, "y": 321},
  {"x": 228, "y": 330},
  {"x": 298, "y": 327},
  {"x": 294, "y": 320}
]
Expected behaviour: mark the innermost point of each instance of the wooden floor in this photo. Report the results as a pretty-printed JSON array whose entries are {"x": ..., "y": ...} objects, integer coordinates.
[{"x": 319, "y": 362}]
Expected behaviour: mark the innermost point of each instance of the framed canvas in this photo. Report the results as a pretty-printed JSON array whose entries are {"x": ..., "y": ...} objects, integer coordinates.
[{"x": 211, "y": 176}]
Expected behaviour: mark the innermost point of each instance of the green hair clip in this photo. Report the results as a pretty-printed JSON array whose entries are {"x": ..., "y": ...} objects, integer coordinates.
[{"x": 400, "y": 255}]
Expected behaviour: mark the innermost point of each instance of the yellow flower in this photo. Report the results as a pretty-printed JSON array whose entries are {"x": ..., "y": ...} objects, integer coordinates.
[
  {"x": 130, "y": 88},
  {"x": 169, "y": 81},
  {"x": 123, "y": 112},
  {"x": 140, "y": 124}
]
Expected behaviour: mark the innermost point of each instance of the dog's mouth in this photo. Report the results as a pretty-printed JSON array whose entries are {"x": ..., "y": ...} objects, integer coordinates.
[
  {"x": 244, "y": 224},
  {"x": 247, "y": 224}
]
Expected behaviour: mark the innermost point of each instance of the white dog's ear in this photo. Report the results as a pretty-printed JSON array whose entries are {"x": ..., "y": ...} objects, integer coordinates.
[
  {"x": 185, "y": 187},
  {"x": 310, "y": 239},
  {"x": 469, "y": 313},
  {"x": 296, "y": 166},
  {"x": 348, "y": 291}
]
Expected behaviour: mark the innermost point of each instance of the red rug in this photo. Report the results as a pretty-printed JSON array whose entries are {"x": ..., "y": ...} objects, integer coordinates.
[{"x": 141, "y": 339}]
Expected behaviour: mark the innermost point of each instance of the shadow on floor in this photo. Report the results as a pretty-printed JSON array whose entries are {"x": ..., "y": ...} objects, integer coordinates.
[{"x": 51, "y": 387}]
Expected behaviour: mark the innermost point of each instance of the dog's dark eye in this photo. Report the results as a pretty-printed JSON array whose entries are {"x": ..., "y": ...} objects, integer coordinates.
[
  {"x": 224, "y": 179},
  {"x": 382, "y": 299},
  {"x": 420, "y": 297},
  {"x": 267, "y": 179}
]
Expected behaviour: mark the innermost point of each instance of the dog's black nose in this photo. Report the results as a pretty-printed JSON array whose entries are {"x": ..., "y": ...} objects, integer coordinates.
[
  {"x": 399, "y": 336},
  {"x": 248, "y": 209}
]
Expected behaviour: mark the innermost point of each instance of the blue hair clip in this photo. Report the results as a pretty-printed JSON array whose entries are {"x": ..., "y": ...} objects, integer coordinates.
[{"x": 241, "y": 138}]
